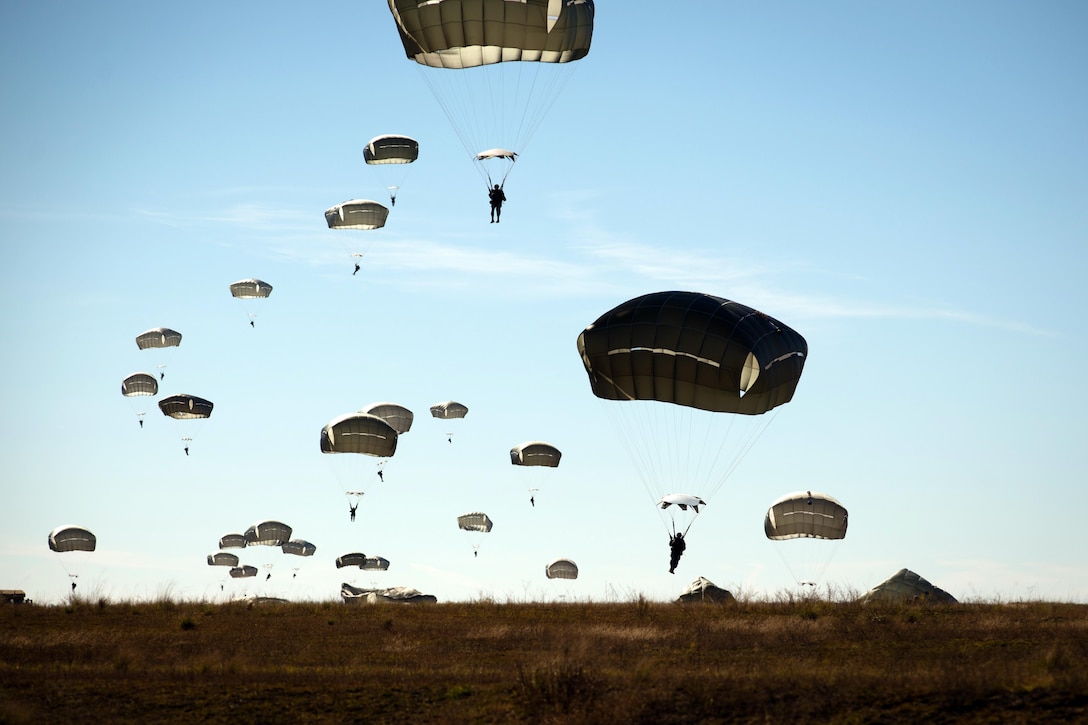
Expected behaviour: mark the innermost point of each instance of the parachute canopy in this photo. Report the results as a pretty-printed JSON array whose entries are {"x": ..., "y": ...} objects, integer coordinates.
[
  {"x": 469, "y": 33},
  {"x": 561, "y": 569},
  {"x": 268, "y": 533},
  {"x": 375, "y": 563},
  {"x": 222, "y": 559},
  {"x": 359, "y": 433},
  {"x": 704, "y": 590},
  {"x": 395, "y": 415},
  {"x": 497, "y": 154},
  {"x": 805, "y": 514},
  {"x": 475, "y": 521},
  {"x": 243, "y": 572},
  {"x": 906, "y": 586},
  {"x": 391, "y": 149},
  {"x": 357, "y": 214},
  {"x": 232, "y": 541},
  {"x": 158, "y": 337},
  {"x": 695, "y": 350},
  {"x": 72, "y": 538},
  {"x": 186, "y": 407},
  {"x": 250, "y": 289},
  {"x": 354, "y": 559},
  {"x": 682, "y": 500},
  {"x": 298, "y": 547},
  {"x": 449, "y": 409},
  {"x": 139, "y": 384},
  {"x": 535, "y": 453}
]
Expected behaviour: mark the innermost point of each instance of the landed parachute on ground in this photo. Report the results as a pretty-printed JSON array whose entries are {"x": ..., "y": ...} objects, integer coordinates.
[
  {"x": 704, "y": 590},
  {"x": 561, "y": 569},
  {"x": 495, "y": 67},
  {"x": 395, "y": 415},
  {"x": 392, "y": 154},
  {"x": 691, "y": 376},
  {"x": 906, "y": 586},
  {"x": 222, "y": 559},
  {"x": 390, "y": 595},
  {"x": 72, "y": 538}
]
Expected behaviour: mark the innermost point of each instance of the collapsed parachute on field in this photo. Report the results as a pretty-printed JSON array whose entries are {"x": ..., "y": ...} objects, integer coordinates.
[
  {"x": 535, "y": 453},
  {"x": 298, "y": 547},
  {"x": 392, "y": 154},
  {"x": 805, "y": 514},
  {"x": 495, "y": 67},
  {"x": 906, "y": 586},
  {"x": 561, "y": 569},
  {"x": 268, "y": 533},
  {"x": 391, "y": 595},
  {"x": 359, "y": 433},
  {"x": 704, "y": 590},
  {"x": 186, "y": 407},
  {"x": 691, "y": 375},
  {"x": 357, "y": 214},
  {"x": 72, "y": 538},
  {"x": 158, "y": 337},
  {"x": 222, "y": 559},
  {"x": 399, "y": 417}
]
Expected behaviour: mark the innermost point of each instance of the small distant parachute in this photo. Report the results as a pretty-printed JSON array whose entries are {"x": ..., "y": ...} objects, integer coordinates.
[
  {"x": 359, "y": 433},
  {"x": 139, "y": 384},
  {"x": 375, "y": 563},
  {"x": 186, "y": 407},
  {"x": 72, "y": 538},
  {"x": 232, "y": 541},
  {"x": 535, "y": 453},
  {"x": 158, "y": 337},
  {"x": 807, "y": 526},
  {"x": 268, "y": 533},
  {"x": 357, "y": 214},
  {"x": 354, "y": 559},
  {"x": 222, "y": 559},
  {"x": 561, "y": 569},
  {"x": 392, "y": 154},
  {"x": 243, "y": 572},
  {"x": 250, "y": 289},
  {"x": 395, "y": 415},
  {"x": 298, "y": 547},
  {"x": 475, "y": 521},
  {"x": 449, "y": 409}
]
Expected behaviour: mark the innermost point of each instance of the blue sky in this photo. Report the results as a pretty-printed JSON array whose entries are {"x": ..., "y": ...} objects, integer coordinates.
[{"x": 903, "y": 184}]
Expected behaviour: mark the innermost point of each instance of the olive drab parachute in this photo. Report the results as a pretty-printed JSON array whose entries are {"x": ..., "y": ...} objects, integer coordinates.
[
  {"x": 449, "y": 410},
  {"x": 352, "y": 440},
  {"x": 906, "y": 586},
  {"x": 353, "y": 559},
  {"x": 232, "y": 541},
  {"x": 243, "y": 572},
  {"x": 495, "y": 67},
  {"x": 137, "y": 387},
  {"x": 561, "y": 569},
  {"x": 357, "y": 214},
  {"x": 399, "y": 417},
  {"x": 375, "y": 563},
  {"x": 268, "y": 533},
  {"x": 807, "y": 527},
  {"x": 298, "y": 547},
  {"x": 688, "y": 378},
  {"x": 222, "y": 559},
  {"x": 535, "y": 453},
  {"x": 475, "y": 522},
  {"x": 186, "y": 407},
  {"x": 245, "y": 290},
  {"x": 392, "y": 154},
  {"x": 72, "y": 538},
  {"x": 161, "y": 340}
]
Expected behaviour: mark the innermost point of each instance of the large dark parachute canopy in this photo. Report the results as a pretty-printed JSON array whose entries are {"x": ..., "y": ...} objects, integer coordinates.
[
  {"x": 395, "y": 415},
  {"x": 359, "y": 433},
  {"x": 158, "y": 337},
  {"x": 391, "y": 149},
  {"x": 535, "y": 453},
  {"x": 694, "y": 350},
  {"x": 222, "y": 559},
  {"x": 268, "y": 533},
  {"x": 139, "y": 384},
  {"x": 561, "y": 569},
  {"x": 357, "y": 214},
  {"x": 72, "y": 538},
  {"x": 186, "y": 407}
]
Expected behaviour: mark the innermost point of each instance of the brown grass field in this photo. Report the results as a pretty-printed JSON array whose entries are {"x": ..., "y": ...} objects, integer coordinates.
[{"x": 788, "y": 661}]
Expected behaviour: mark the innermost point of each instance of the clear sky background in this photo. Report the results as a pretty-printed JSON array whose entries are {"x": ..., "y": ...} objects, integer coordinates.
[{"x": 904, "y": 184}]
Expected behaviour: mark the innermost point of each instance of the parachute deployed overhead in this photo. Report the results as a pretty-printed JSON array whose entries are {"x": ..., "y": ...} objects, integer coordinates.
[
  {"x": 357, "y": 214},
  {"x": 157, "y": 338},
  {"x": 391, "y": 149},
  {"x": 232, "y": 541},
  {"x": 395, "y": 415},
  {"x": 72, "y": 538},
  {"x": 354, "y": 559},
  {"x": 186, "y": 407},
  {"x": 805, "y": 514},
  {"x": 139, "y": 384},
  {"x": 268, "y": 533},
  {"x": 250, "y": 289},
  {"x": 475, "y": 521},
  {"x": 449, "y": 409},
  {"x": 688, "y": 371},
  {"x": 535, "y": 453},
  {"x": 495, "y": 67},
  {"x": 359, "y": 433},
  {"x": 561, "y": 569},
  {"x": 243, "y": 572},
  {"x": 298, "y": 547},
  {"x": 222, "y": 559},
  {"x": 375, "y": 563}
]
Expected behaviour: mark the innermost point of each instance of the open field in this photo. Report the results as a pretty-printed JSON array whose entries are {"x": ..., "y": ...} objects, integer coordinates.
[{"x": 630, "y": 662}]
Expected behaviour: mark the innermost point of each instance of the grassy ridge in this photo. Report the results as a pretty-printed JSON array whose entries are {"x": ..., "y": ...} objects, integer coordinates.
[{"x": 632, "y": 662}]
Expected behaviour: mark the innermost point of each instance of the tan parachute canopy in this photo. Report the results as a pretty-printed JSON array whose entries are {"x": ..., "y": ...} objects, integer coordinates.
[
  {"x": 139, "y": 384},
  {"x": 906, "y": 586},
  {"x": 298, "y": 547},
  {"x": 395, "y": 415},
  {"x": 72, "y": 538},
  {"x": 561, "y": 569},
  {"x": 232, "y": 541},
  {"x": 359, "y": 433},
  {"x": 535, "y": 453},
  {"x": 391, "y": 149},
  {"x": 475, "y": 521},
  {"x": 268, "y": 533},
  {"x": 158, "y": 337},
  {"x": 449, "y": 409},
  {"x": 805, "y": 514},
  {"x": 357, "y": 214},
  {"x": 222, "y": 559},
  {"x": 250, "y": 289}
]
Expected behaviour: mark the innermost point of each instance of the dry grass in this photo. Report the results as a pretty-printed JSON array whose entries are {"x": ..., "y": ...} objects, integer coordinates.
[{"x": 794, "y": 661}]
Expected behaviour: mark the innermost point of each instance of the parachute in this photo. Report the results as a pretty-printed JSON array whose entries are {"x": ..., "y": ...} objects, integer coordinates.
[
  {"x": 222, "y": 559},
  {"x": 810, "y": 524},
  {"x": 375, "y": 563},
  {"x": 298, "y": 547},
  {"x": 357, "y": 433},
  {"x": 232, "y": 541},
  {"x": 561, "y": 569},
  {"x": 353, "y": 559},
  {"x": 72, "y": 538},
  {"x": 136, "y": 387},
  {"x": 268, "y": 533},
  {"x": 475, "y": 522},
  {"x": 535, "y": 453},
  {"x": 361, "y": 214},
  {"x": 392, "y": 154},
  {"x": 160, "y": 339},
  {"x": 243, "y": 572},
  {"x": 250, "y": 289},
  {"x": 691, "y": 375},
  {"x": 906, "y": 586},
  {"x": 186, "y": 407},
  {"x": 399, "y": 417},
  {"x": 495, "y": 67},
  {"x": 449, "y": 410}
]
